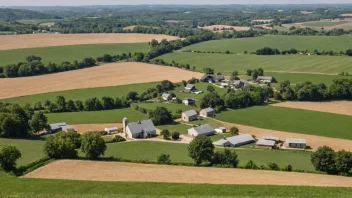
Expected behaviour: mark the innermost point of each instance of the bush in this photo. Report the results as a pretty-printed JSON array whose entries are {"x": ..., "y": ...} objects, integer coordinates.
[
  {"x": 164, "y": 159},
  {"x": 288, "y": 168},
  {"x": 273, "y": 166},
  {"x": 251, "y": 165},
  {"x": 61, "y": 146},
  {"x": 93, "y": 145},
  {"x": 234, "y": 130},
  {"x": 226, "y": 158},
  {"x": 118, "y": 138},
  {"x": 8, "y": 157},
  {"x": 323, "y": 159},
  {"x": 175, "y": 135},
  {"x": 166, "y": 134}
]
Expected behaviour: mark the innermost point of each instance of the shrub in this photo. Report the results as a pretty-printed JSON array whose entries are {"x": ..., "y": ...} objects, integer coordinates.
[
  {"x": 60, "y": 146},
  {"x": 226, "y": 158},
  {"x": 288, "y": 168},
  {"x": 164, "y": 159},
  {"x": 118, "y": 138},
  {"x": 234, "y": 130},
  {"x": 175, "y": 135},
  {"x": 166, "y": 134},
  {"x": 93, "y": 145},
  {"x": 201, "y": 149},
  {"x": 251, "y": 165},
  {"x": 273, "y": 166}
]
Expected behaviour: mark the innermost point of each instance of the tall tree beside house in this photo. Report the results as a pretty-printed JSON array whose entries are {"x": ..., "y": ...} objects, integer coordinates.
[
  {"x": 208, "y": 70},
  {"x": 161, "y": 116},
  {"x": 201, "y": 149}
]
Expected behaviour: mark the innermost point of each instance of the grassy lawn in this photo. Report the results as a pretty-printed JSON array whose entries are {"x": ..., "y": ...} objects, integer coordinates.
[
  {"x": 336, "y": 43},
  {"x": 31, "y": 150},
  {"x": 290, "y": 63},
  {"x": 96, "y": 117},
  {"x": 146, "y": 150},
  {"x": 70, "y": 53},
  {"x": 82, "y": 94},
  {"x": 292, "y": 120},
  {"x": 199, "y": 87},
  {"x": 16, "y": 187}
]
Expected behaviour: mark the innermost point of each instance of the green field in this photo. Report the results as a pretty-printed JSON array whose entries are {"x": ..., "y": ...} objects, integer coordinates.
[
  {"x": 173, "y": 107},
  {"x": 31, "y": 150},
  {"x": 323, "y": 23},
  {"x": 59, "y": 54},
  {"x": 17, "y": 187},
  {"x": 95, "y": 117},
  {"x": 297, "y": 78},
  {"x": 292, "y": 120},
  {"x": 290, "y": 63},
  {"x": 82, "y": 94},
  {"x": 336, "y": 43}
]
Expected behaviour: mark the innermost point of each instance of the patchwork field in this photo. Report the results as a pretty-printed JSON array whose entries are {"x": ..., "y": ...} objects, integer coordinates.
[
  {"x": 296, "y": 63},
  {"x": 100, "y": 76},
  {"x": 338, "y": 107},
  {"x": 70, "y": 53},
  {"x": 327, "y": 24},
  {"x": 46, "y": 40},
  {"x": 112, "y": 171},
  {"x": 336, "y": 43},
  {"x": 237, "y": 28},
  {"x": 292, "y": 120}
]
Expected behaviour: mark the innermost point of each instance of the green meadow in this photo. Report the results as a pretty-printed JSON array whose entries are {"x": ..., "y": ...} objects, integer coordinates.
[
  {"x": 336, "y": 43},
  {"x": 297, "y": 78},
  {"x": 11, "y": 186},
  {"x": 324, "y": 23},
  {"x": 59, "y": 54},
  {"x": 292, "y": 120},
  {"x": 228, "y": 63}
]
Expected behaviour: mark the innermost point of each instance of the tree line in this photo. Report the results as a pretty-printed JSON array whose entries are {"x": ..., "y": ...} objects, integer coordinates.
[{"x": 274, "y": 51}]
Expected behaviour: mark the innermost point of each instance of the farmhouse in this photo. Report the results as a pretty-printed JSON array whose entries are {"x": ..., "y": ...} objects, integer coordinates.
[
  {"x": 55, "y": 127},
  {"x": 141, "y": 129},
  {"x": 240, "y": 83},
  {"x": 68, "y": 128},
  {"x": 166, "y": 97},
  {"x": 111, "y": 130},
  {"x": 235, "y": 141},
  {"x": 190, "y": 88},
  {"x": 208, "y": 112},
  {"x": 212, "y": 78},
  {"x": 273, "y": 138},
  {"x": 265, "y": 79},
  {"x": 188, "y": 101},
  {"x": 265, "y": 143},
  {"x": 201, "y": 130},
  {"x": 296, "y": 143},
  {"x": 189, "y": 116}
]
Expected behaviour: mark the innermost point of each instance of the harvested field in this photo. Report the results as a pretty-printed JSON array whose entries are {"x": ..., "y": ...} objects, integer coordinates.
[
  {"x": 99, "y": 76},
  {"x": 133, "y": 26},
  {"x": 84, "y": 128},
  {"x": 338, "y": 107},
  {"x": 312, "y": 140},
  {"x": 116, "y": 171},
  {"x": 45, "y": 40},
  {"x": 262, "y": 20},
  {"x": 346, "y": 15},
  {"x": 306, "y": 12},
  {"x": 237, "y": 28}
]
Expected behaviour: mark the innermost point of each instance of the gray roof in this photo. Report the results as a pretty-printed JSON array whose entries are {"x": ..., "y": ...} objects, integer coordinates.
[
  {"x": 112, "y": 129},
  {"x": 295, "y": 141},
  {"x": 238, "y": 139},
  {"x": 67, "y": 127},
  {"x": 221, "y": 142},
  {"x": 219, "y": 77},
  {"x": 214, "y": 77},
  {"x": 208, "y": 110},
  {"x": 56, "y": 126},
  {"x": 165, "y": 95},
  {"x": 266, "y": 142},
  {"x": 264, "y": 78},
  {"x": 190, "y": 86},
  {"x": 204, "y": 129},
  {"x": 190, "y": 113},
  {"x": 138, "y": 127},
  {"x": 244, "y": 82},
  {"x": 271, "y": 138},
  {"x": 205, "y": 76}
]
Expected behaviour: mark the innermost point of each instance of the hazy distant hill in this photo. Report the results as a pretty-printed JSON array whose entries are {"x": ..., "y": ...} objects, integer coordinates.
[{"x": 7, "y": 14}]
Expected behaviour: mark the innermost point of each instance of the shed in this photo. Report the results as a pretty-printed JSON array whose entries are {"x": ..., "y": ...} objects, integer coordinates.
[
  {"x": 190, "y": 88},
  {"x": 189, "y": 116},
  {"x": 188, "y": 101},
  {"x": 265, "y": 143},
  {"x": 296, "y": 143},
  {"x": 205, "y": 130},
  {"x": 166, "y": 97},
  {"x": 68, "y": 128},
  {"x": 221, "y": 130},
  {"x": 266, "y": 79},
  {"x": 273, "y": 138},
  {"x": 223, "y": 142},
  {"x": 111, "y": 130},
  {"x": 56, "y": 127},
  {"x": 241, "y": 83},
  {"x": 208, "y": 112},
  {"x": 239, "y": 140}
]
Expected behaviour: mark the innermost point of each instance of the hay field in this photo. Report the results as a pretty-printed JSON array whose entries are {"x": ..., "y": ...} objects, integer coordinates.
[
  {"x": 45, "y": 40},
  {"x": 115, "y": 171},
  {"x": 306, "y": 12},
  {"x": 237, "y": 28},
  {"x": 262, "y": 20},
  {"x": 99, "y": 76},
  {"x": 337, "y": 107},
  {"x": 346, "y": 15}
]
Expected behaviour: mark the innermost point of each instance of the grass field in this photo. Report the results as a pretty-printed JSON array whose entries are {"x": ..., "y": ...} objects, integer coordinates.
[
  {"x": 292, "y": 120},
  {"x": 296, "y": 78},
  {"x": 70, "y": 53},
  {"x": 31, "y": 150},
  {"x": 323, "y": 23},
  {"x": 16, "y": 187},
  {"x": 294, "y": 63},
  {"x": 336, "y": 43},
  {"x": 95, "y": 117},
  {"x": 173, "y": 107}
]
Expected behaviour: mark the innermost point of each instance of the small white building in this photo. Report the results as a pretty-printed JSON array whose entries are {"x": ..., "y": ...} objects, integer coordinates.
[
  {"x": 265, "y": 79},
  {"x": 205, "y": 130},
  {"x": 273, "y": 138},
  {"x": 221, "y": 130},
  {"x": 68, "y": 128},
  {"x": 166, "y": 97},
  {"x": 111, "y": 130},
  {"x": 189, "y": 116},
  {"x": 235, "y": 141},
  {"x": 188, "y": 101},
  {"x": 296, "y": 143},
  {"x": 265, "y": 143}
]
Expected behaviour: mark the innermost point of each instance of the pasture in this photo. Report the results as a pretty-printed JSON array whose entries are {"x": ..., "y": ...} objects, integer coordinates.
[
  {"x": 227, "y": 63},
  {"x": 59, "y": 54},
  {"x": 95, "y": 117},
  {"x": 47, "y": 40},
  {"x": 323, "y": 23},
  {"x": 336, "y": 43},
  {"x": 295, "y": 78},
  {"x": 11, "y": 186},
  {"x": 100, "y": 76},
  {"x": 291, "y": 120},
  {"x": 237, "y": 28}
]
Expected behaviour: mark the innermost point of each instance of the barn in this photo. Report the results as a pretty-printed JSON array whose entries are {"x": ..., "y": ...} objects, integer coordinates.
[
  {"x": 189, "y": 116},
  {"x": 205, "y": 130}
]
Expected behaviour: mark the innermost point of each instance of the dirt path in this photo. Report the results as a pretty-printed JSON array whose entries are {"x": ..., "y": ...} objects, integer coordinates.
[
  {"x": 47, "y": 40},
  {"x": 115, "y": 171},
  {"x": 100, "y": 76},
  {"x": 338, "y": 107}
]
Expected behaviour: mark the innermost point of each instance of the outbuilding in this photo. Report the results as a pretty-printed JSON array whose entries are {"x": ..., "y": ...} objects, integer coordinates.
[
  {"x": 55, "y": 127},
  {"x": 190, "y": 88},
  {"x": 273, "y": 138},
  {"x": 240, "y": 83},
  {"x": 223, "y": 142},
  {"x": 265, "y": 143},
  {"x": 189, "y": 101},
  {"x": 68, "y": 128},
  {"x": 189, "y": 116},
  {"x": 208, "y": 112},
  {"x": 237, "y": 140},
  {"x": 205, "y": 130},
  {"x": 111, "y": 130},
  {"x": 265, "y": 79},
  {"x": 221, "y": 130},
  {"x": 166, "y": 97},
  {"x": 296, "y": 143}
]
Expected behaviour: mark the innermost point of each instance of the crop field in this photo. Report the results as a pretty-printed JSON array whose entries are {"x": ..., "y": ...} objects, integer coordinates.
[
  {"x": 96, "y": 117},
  {"x": 237, "y": 28},
  {"x": 292, "y": 120},
  {"x": 11, "y": 186},
  {"x": 296, "y": 63},
  {"x": 295, "y": 78},
  {"x": 59, "y": 54},
  {"x": 100, "y": 76},
  {"x": 31, "y": 150},
  {"x": 46, "y": 40},
  {"x": 327, "y": 24},
  {"x": 336, "y": 43},
  {"x": 323, "y": 23}
]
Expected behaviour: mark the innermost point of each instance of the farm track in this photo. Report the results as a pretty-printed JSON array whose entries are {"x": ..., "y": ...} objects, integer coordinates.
[
  {"x": 100, "y": 76},
  {"x": 116, "y": 171},
  {"x": 46, "y": 40}
]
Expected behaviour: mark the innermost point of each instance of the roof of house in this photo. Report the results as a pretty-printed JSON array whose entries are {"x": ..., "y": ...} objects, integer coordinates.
[
  {"x": 266, "y": 142},
  {"x": 240, "y": 139},
  {"x": 165, "y": 95},
  {"x": 190, "y": 113},
  {"x": 189, "y": 86},
  {"x": 264, "y": 78},
  {"x": 205, "y": 76},
  {"x": 204, "y": 129},
  {"x": 67, "y": 127},
  {"x": 219, "y": 77},
  {"x": 144, "y": 125},
  {"x": 271, "y": 138},
  {"x": 56, "y": 126},
  {"x": 221, "y": 142},
  {"x": 238, "y": 82},
  {"x": 208, "y": 110},
  {"x": 214, "y": 77},
  {"x": 295, "y": 141}
]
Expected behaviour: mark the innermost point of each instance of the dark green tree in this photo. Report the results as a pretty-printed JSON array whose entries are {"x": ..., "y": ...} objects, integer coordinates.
[
  {"x": 323, "y": 159},
  {"x": 8, "y": 156},
  {"x": 164, "y": 159},
  {"x": 38, "y": 122},
  {"x": 343, "y": 161},
  {"x": 201, "y": 149},
  {"x": 60, "y": 146},
  {"x": 161, "y": 116},
  {"x": 93, "y": 145}
]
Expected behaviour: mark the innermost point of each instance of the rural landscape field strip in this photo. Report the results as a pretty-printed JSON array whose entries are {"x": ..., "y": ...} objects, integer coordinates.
[
  {"x": 46, "y": 40},
  {"x": 101, "y": 76},
  {"x": 338, "y": 107},
  {"x": 115, "y": 171}
]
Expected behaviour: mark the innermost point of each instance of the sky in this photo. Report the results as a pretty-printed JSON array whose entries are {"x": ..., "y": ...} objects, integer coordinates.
[{"x": 135, "y": 2}]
